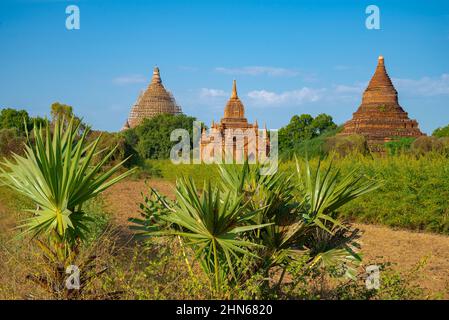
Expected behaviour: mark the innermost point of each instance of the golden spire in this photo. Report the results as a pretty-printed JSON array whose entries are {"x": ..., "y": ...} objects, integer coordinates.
[
  {"x": 234, "y": 107},
  {"x": 156, "y": 76},
  {"x": 234, "y": 90}
]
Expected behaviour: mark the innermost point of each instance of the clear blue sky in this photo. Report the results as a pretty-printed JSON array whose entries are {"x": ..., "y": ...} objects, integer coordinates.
[{"x": 289, "y": 57}]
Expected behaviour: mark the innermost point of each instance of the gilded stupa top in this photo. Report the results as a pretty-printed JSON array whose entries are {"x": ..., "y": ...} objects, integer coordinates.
[{"x": 234, "y": 108}]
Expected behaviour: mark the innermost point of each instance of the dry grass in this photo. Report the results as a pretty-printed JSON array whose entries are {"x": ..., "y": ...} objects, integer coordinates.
[{"x": 406, "y": 249}]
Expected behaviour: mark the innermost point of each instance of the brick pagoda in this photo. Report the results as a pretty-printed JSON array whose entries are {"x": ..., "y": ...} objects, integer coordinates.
[{"x": 380, "y": 118}]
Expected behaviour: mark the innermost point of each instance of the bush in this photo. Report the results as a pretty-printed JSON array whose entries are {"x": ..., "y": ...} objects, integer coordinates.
[
  {"x": 108, "y": 142},
  {"x": 412, "y": 195},
  {"x": 345, "y": 145},
  {"x": 424, "y": 144},
  {"x": 399, "y": 146},
  {"x": 11, "y": 142},
  {"x": 63, "y": 178},
  {"x": 251, "y": 224}
]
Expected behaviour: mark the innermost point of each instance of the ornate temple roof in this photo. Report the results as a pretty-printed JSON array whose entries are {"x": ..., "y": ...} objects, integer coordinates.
[
  {"x": 235, "y": 126},
  {"x": 153, "y": 101},
  {"x": 234, "y": 107},
  {"x": 380, "y": 118}
]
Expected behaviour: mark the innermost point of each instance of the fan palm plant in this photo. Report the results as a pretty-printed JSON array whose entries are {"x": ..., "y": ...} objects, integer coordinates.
[
  {"x": 266, "y": 221},
  {"x": 302, "y": 215},
  {"x": 212, "y": 223},
  {"x": 57, "y": 174}
]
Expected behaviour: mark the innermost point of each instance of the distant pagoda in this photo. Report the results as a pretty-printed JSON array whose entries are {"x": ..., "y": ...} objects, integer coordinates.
[
  {"x": 380, "y": 118},
  {"x": 232, "y": 128},
  {"x": 154, "y": 101}
]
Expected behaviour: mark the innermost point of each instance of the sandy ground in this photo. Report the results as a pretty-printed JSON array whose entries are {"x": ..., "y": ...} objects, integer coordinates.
[{"x": 405, "y": 249}]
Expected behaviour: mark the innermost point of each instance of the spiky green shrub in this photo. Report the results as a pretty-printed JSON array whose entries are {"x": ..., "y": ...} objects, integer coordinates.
[
  {"x": 300, "y": 213},
  {"x": 252, "y": 223},
  {"x": 57, "y": 175},
  {"x": 212, "y": 224}
]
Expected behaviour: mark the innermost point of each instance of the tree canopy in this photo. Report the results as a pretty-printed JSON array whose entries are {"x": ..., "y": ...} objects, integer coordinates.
[
  {"x": 12, "y": 118},
  {"x": 441, "y": 132},
  {"x": 304, "y": 127},
  {"x": 151, "y": 139},
  {"x": 60, "y": 110}
]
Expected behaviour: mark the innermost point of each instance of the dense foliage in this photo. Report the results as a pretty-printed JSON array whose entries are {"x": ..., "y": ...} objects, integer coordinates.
[
  {"x": 151, "y": 139},
  {"x": 11, "y": 141},
  {"x": 399, "y": 146},
  {"x": 441, "y": 132},
  {"x": 254, "y": 224},
  {"x": 19, "y": 120},
  {"x": 302, "y": 128},
  {"x": 412, "y": 194}
]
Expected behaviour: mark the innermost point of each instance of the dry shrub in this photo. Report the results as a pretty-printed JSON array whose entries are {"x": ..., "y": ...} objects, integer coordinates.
[
  {"x": 425, "y": 144},
  {"x": 11, "y": 142},
  {"x": 107, "y": 142},
  {"x": 345, "y": 145}
]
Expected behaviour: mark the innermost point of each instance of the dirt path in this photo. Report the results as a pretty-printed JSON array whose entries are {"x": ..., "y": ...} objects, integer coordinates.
[{"x": 404, "y": 249}]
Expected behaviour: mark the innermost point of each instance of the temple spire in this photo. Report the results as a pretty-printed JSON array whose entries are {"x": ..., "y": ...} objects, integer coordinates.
[
  {"x": 234, "y": 90},
  {"x": 379, "y": 80},
  {"x": 380, "y": 60},
  {"x": 156, "y": 76}
]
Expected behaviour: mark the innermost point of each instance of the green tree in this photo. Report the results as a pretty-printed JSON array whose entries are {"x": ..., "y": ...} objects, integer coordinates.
[
  {"x": 152, "y": 137},
  {"x": 303, "y": 127},
  {"x": 60, "y": 110},
  {"x": 322, "y": 122},
  {"x": 441, "y": 132},
  {"x": 12, "y": 118}
]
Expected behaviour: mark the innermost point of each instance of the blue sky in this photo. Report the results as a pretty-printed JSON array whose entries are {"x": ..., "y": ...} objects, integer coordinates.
[{"x": 288, "y": 57}]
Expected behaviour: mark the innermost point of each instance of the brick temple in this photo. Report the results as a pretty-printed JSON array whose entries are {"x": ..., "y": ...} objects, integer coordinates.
[
  {"x": 380, "y": 118},
  {"x": 153, "y": 101},
  {"x": 234, "y": 134}
]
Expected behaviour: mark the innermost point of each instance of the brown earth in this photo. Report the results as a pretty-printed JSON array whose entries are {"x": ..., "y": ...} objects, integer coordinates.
[{"x": 404, "y": 249}]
